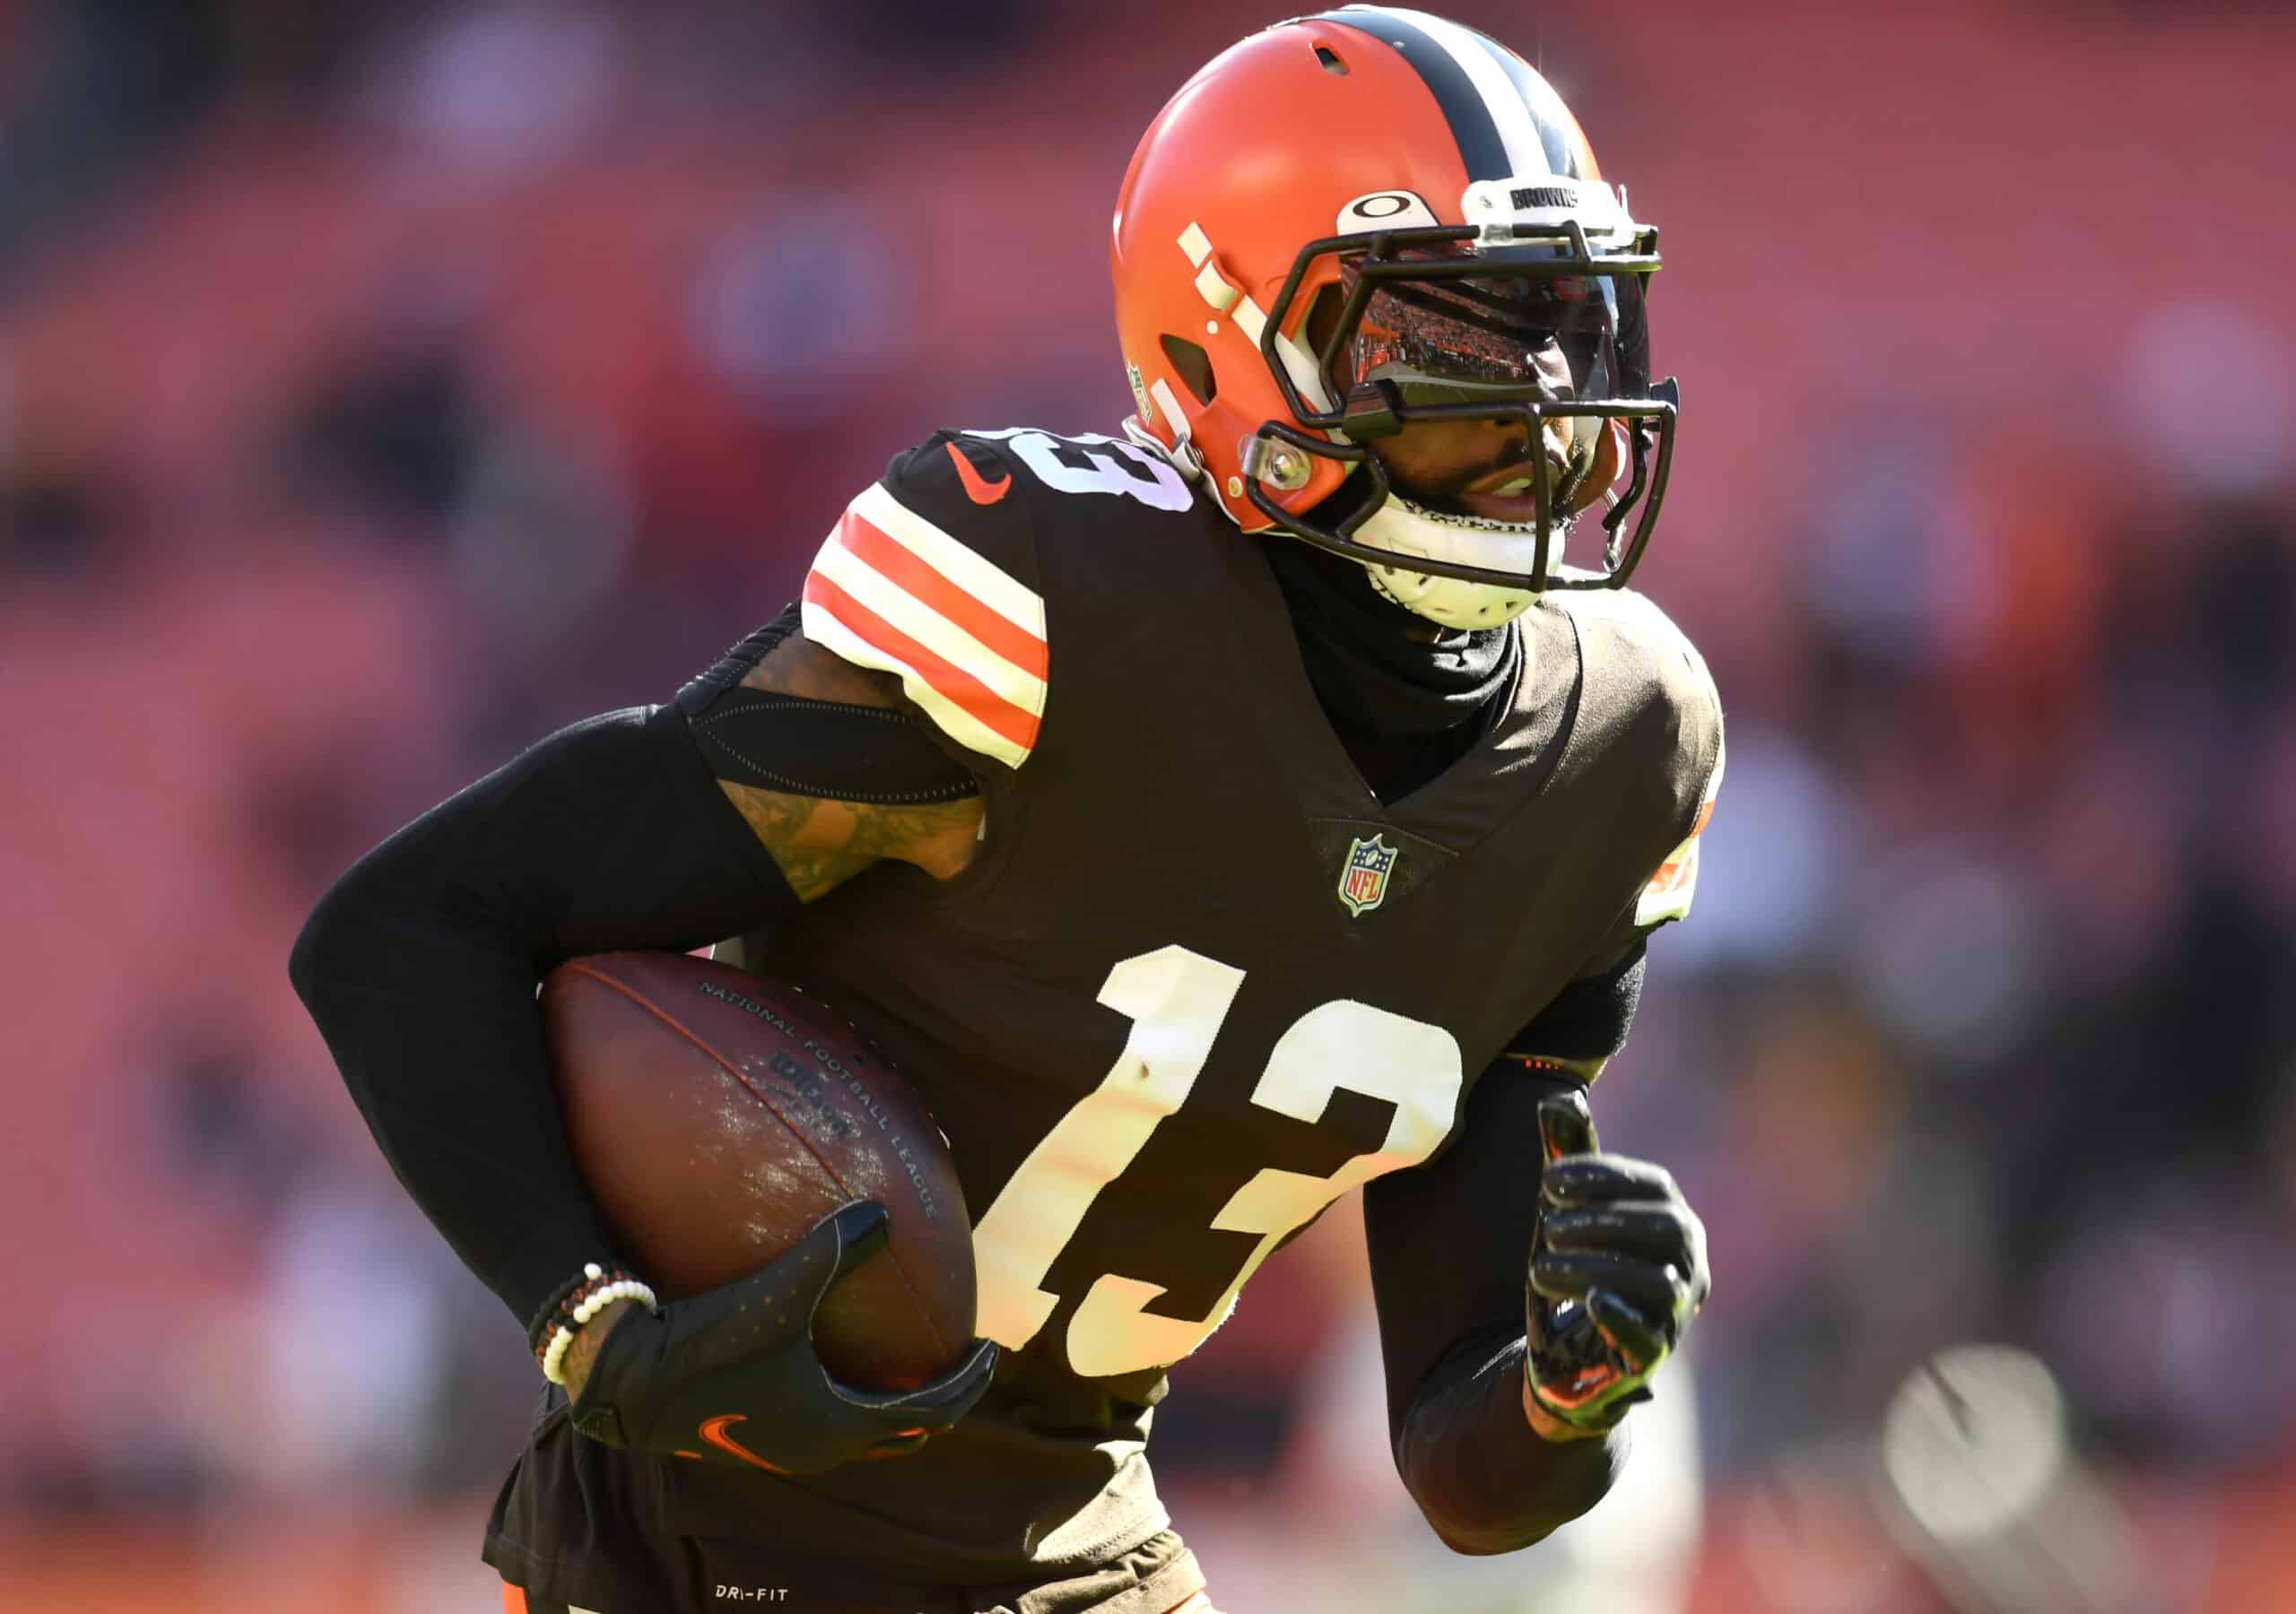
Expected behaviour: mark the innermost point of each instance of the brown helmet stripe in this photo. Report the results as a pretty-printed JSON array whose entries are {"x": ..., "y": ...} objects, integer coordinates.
[
  {"x": 1481, "y": 149},
  {"x": 1559, "y": 133}
]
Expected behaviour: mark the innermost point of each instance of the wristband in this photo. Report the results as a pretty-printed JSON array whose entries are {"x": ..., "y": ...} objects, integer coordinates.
[{"x": 577, "y": 1300}]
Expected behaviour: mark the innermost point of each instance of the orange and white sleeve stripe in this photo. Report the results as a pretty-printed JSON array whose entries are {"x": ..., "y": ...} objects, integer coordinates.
[
  {"x": 891, "y": 591},
  {"x": 1668, "y": 894}
]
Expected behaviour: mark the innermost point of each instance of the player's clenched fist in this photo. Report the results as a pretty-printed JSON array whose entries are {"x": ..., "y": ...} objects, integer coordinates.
[{"x": 1618, "y": 1269}]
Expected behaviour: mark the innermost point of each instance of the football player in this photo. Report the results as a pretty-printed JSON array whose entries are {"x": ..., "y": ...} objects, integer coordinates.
[{"x": 1264, "y": 802}]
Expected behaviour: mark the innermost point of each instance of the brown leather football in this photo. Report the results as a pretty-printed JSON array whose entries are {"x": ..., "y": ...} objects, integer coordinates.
[{"x": 718, "y": 1116}]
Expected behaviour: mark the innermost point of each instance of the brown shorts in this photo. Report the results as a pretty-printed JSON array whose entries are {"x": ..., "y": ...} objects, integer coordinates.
[
  {"x": 514, "y": 1601},
  {"x": 1159, "y": 1576}
]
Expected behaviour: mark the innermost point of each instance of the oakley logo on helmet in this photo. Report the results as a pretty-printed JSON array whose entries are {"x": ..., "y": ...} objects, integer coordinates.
[{"x": 1385, "y": 210}]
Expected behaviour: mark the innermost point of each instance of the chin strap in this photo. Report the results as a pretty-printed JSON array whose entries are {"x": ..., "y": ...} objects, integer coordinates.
[{"x": 1408, "y": 529}]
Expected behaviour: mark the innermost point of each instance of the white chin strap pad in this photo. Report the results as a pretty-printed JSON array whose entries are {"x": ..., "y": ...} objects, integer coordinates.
[{"x": 1407, "y": 529}]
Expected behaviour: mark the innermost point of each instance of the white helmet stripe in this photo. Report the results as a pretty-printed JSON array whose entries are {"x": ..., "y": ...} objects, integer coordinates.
[{"x": 1250, "y": 319}]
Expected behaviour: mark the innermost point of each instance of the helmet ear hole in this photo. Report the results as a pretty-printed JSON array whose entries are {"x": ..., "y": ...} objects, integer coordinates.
[{"x": 1192, "y": 365}]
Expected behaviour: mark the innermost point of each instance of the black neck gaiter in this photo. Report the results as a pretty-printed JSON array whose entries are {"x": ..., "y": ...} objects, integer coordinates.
[{"x": 1405, "y": 696}]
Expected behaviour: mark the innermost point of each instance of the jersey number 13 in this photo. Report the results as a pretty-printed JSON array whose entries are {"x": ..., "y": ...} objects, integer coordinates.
[{"x": 1177, "y": 1000}]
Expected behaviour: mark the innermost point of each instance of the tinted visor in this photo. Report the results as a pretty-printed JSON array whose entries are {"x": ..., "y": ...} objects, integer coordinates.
[{"x": 1489, "y": 326}]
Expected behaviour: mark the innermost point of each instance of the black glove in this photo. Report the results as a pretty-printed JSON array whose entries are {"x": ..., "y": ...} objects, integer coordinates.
[
  {"x": 1618, "y": 1269},
  {"x": 730, "y": 1377}
]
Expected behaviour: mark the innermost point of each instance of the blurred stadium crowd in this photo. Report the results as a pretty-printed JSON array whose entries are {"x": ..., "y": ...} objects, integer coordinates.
[{"x": 383, "y": 384}]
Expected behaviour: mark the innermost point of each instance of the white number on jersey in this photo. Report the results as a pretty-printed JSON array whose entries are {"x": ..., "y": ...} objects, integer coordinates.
[
  {"x": 1177, "y": 1000},
  {"x": 1088, "y": 462}
]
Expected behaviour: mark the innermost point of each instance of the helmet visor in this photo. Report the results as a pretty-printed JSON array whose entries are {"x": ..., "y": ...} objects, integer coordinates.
[{"x": 1446, "y": 326}]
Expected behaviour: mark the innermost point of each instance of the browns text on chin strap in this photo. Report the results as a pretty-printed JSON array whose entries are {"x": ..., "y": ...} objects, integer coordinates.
[{"x": 826, "y": 748}]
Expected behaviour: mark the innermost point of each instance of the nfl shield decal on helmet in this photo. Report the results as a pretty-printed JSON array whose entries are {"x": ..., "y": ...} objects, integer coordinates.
[{"x": 1363, "y": 882}]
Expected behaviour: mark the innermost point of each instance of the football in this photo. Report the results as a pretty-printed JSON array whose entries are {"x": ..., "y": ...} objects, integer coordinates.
[{"x": 716, "y": 1116}]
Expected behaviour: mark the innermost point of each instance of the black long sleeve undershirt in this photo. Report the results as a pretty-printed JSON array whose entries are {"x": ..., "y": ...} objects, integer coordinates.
[
  {"x": 420, "y": 967},
  {"x": 1450, "y": 1247},
  {"x": 1483, "y": 1477}
]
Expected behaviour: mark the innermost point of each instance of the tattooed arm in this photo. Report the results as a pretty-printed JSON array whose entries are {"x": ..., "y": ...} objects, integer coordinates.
[
  {"x": 819, "y": 843},
  {"x": 420, "y": 965}
]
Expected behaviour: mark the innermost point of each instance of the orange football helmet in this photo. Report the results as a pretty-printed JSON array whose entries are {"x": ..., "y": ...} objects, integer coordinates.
[{"x": 1371, "y": 217}]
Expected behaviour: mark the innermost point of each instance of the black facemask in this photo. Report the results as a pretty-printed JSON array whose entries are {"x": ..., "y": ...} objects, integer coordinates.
[{"x": 1406, "y": 695}]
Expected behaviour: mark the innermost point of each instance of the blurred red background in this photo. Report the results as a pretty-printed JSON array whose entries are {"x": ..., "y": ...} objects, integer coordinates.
[{"x": 382, "y": 386}]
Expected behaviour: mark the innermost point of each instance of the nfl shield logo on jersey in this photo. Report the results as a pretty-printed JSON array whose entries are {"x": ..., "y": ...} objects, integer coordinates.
[{"x": 1363, "y": 882}]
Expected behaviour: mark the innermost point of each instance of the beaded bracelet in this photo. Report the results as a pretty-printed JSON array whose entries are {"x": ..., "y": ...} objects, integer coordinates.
[
  {"x": 546, "y": 1316},
  {"x": 575, "y": 1303}
]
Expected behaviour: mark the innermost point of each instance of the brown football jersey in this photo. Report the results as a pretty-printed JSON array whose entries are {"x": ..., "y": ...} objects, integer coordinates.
[{"x": 1200, "y": 981}]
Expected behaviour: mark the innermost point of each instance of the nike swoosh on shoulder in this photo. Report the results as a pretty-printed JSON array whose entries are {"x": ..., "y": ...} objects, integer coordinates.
[
  {"x": 978, "y": 488},
  {"x": 713, "y": 1430}
]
